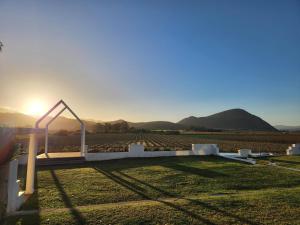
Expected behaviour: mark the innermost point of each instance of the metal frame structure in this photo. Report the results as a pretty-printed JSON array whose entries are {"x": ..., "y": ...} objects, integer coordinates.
[
  {"x": 33, "y": 142},
  {"x": 82, "y": 127}
]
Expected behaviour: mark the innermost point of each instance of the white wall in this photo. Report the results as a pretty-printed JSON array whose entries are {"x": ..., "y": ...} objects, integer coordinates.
[
  {"x": 15, "y": 197},
  {"x": 137, "y": 150},
  {"x": 293, "y": 150},
  {"x": 23, "y": 159},
  {"x": 244, "y": 152},
  {"x": 205, "y": 149}
]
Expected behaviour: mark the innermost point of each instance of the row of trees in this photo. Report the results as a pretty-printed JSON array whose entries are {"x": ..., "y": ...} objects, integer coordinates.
[{"x": 120, "y": 127}]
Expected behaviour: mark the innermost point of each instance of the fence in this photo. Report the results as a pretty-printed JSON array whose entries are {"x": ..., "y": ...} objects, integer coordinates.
[
  {"x": 137, "y": 150},
  {"x": 11, "y": 195}
]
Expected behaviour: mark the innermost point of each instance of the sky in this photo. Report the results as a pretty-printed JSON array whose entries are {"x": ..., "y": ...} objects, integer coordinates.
[{"x": 152, "y": 60}]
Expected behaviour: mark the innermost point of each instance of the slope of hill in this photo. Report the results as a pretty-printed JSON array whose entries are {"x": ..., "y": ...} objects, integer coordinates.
[
  {"x": 22, "y": 120},
  {"x": 233, "y": 119},
  {"x": 16, "y": 120}
]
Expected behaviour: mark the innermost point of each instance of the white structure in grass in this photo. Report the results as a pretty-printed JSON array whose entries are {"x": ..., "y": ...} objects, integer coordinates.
[
  {"x": 33, "y": 144},
  {"x": 293, "y": 150},
  {"x": 137, "y": 150},
  {"x": 244, "y": 153},
  {"x": 15, "y": 197},
  {"x": 205, "y": 149},
  {"x": 237, "y": 157}
]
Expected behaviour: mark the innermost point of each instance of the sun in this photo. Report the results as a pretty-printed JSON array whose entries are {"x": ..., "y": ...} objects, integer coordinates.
[{"x": 35, "y": 108}]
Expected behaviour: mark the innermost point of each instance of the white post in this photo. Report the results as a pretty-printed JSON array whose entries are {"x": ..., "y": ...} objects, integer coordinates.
[
  {"x": 136, "y": 150},
  {"x": 82, "y": 140},
  {"x": 205, "y": 149},
  {"x": 33, "y": 145},
  {"x": 46, "y": 140},
  {"x": 12, "y": 187},
  {"x": 86, "y": 150}
]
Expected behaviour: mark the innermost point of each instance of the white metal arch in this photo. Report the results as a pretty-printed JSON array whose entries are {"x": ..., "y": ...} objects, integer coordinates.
[
  {"x": 33, "y": 143},
  {"x": 82, "y": 126}
]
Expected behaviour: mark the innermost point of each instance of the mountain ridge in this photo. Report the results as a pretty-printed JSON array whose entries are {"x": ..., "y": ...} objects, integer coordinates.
[{"x": 232, "y": 119}]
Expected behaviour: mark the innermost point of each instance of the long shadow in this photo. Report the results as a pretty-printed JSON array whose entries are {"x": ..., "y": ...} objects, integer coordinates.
[
  {"x": 285, "y": 161},
  {"x": 130, "y": 163},
  {"x": 36, "y": 217},
  {"x": 131, "y": 187},
  {"x": 206, "y": 205},
  {"x": 75, "y": 213},
  {"x": 149, "y": 185},
  {"x": 197, "y": 202},
  {"x": 196, "y": 171}
]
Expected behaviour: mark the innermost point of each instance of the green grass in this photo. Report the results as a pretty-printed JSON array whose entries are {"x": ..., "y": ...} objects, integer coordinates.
[
  {"x": 286, "y": 161},
  {"x": 173, "y": 190}
]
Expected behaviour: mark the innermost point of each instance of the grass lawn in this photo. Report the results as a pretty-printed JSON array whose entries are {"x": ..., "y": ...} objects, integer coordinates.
[
  {"x": 171, "y": 190},
  {"x": 286, "y": 161}
]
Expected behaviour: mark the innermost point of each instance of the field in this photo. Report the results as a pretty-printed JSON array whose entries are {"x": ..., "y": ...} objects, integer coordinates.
[
  {"x": 172, "y": 190},
  {"x": 227, "y": 141}
]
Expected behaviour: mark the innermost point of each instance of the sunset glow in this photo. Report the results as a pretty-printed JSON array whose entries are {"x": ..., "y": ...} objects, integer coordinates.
[
  {"x": 35, "y": 108},
  {"x": 152, "y": 60}
]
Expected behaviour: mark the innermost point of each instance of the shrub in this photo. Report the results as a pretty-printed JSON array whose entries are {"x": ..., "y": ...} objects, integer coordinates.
[{"x": 62, "y": 133}]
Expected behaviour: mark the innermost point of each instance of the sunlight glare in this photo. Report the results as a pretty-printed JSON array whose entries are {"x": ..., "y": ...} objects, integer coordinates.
[{"x": 35, "y": 108}]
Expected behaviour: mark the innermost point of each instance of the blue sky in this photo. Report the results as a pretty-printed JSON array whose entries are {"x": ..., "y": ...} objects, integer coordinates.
[{"x": 153, "y": 60}]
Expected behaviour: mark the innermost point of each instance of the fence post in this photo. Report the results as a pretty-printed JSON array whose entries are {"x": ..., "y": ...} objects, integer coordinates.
[
  {"x": 46, "y": 140},
  {"x": 33, "y": 145},
  {"x": 82, "y": 150},
  {"x": 12, "y": 187}
]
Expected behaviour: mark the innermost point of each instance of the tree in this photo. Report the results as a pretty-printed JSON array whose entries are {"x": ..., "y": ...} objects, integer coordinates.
[
  {"x": 99, "y": 128},
  {"x": 107, "y": 127},
  {"x": 1, "y": 46},
  {"x": 124, "y": 127}
]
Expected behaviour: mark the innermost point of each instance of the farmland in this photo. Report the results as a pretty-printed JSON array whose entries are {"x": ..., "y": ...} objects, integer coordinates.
[{"x": 275, "y": 142}]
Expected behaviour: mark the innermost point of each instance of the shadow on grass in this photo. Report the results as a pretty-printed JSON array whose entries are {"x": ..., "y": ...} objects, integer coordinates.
[
  {"x": 194, "y": 201},
  {"x": 75, "y": 213},
  {"x": 129, "y": 185},
  {"x": 130, "y": 163},
  {"x": 132, "y": 187},
  {"x": 285, "y": 161},
  {"x": 195, "y": 171}
]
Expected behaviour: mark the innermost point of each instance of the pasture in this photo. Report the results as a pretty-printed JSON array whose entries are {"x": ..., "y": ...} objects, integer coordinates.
[{"x": 172, "y": 190}]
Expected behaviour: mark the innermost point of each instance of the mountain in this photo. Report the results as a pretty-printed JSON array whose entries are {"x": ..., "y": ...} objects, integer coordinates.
[
  {"x": 233, "y": 119},
  {"x": 22, "y": 120},
  {"x": 7, "y": 110},
  {"x": 13, "y": 119},
  {"x": 157, "y": 125},
  {"x": 288, "y": 128}
]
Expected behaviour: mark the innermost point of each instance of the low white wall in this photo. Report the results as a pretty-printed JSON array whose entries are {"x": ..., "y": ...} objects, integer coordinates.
[
  {"x": 205, "y": 149},
  {"x": 137, "y": 150},
  {"x": 293, "y": 150},
  {"x": 15, "y": 197},
  {"x": 105, "y": 156},
  {"x": 23, "y": 159},
  {"x": 232, "y": 156},
  {"x": 244, "y": 152}
]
